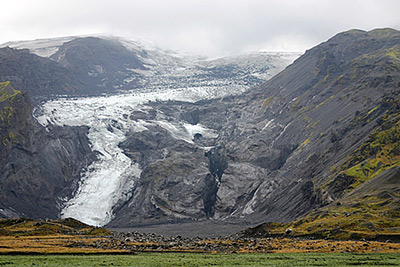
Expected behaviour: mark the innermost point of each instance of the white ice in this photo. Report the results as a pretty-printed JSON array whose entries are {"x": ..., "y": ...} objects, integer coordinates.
[
  {"x": 112, "y": 176},
  {"x": 169, "y": 76}
]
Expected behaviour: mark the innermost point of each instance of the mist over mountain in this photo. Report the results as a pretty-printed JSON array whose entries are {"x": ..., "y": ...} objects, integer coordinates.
[
  {"x": 96, "y": 65},
  {"x": 229, "y": 145}
]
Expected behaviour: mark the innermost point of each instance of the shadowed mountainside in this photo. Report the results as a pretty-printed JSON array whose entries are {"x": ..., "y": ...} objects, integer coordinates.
[{"x": 38, "y": 168}]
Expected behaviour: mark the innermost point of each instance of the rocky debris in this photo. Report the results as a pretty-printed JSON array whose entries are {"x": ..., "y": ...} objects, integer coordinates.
[
  {"x": 71, "y": 236},
  {"x": 288, "y": 231},
  {"x": 137, "y": 242}
]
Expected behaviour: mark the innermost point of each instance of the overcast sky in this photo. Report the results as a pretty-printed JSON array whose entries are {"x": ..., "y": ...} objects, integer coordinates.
[{"x": 207, "y": 27}]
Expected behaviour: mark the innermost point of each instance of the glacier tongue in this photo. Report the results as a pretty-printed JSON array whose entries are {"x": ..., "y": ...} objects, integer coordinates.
[
  {"x": 111, "y": 178},
  {"x": 168, "y": 76}
]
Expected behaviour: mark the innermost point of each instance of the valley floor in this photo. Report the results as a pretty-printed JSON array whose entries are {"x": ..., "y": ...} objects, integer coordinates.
[
  {"x": 126, "y": 243},
  {"x": 68, "y": 242},
  {"x": 193, "y": 259},
  {"x": 188, "y": 229}
]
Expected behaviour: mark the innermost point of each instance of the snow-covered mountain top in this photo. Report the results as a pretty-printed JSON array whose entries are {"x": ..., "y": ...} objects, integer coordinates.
[
  {"x": 137, "y": 64},
  {"x": 48, "y": 46},
  {"x": 40, "y": 47},
  {"x": 171, "y": 69}
]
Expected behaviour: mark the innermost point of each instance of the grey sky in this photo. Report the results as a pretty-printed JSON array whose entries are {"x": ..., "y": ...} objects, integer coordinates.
[{"x": 208, "y": 27}]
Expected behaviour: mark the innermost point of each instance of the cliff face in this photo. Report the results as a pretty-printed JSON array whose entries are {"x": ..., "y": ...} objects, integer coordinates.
[
  {"x": 283, "y": 148},
  {"x": 37, "y": 168},
  {"x": 314, "y": 114}
]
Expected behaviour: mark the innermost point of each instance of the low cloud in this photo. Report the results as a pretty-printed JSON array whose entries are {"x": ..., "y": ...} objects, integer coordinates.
[{"x": 199, "y": 26}]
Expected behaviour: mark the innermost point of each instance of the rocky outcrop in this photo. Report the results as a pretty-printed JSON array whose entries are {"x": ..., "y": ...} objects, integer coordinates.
[
  {"x": 38, "y": 168},
  {"x": 169, "y": 189}
]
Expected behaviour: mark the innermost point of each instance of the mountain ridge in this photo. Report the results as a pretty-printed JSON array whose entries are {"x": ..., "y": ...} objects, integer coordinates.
[{"x": 152, "y": 68}]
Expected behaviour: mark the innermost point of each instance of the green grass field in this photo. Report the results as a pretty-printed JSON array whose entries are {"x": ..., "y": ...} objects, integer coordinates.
[{"x": 193, "y": 259}]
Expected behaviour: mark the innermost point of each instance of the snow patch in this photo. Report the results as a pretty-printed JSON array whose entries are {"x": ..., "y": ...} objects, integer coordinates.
[
  {"x": 268, "y": 125},
  {"x": 200, "y": 129}
]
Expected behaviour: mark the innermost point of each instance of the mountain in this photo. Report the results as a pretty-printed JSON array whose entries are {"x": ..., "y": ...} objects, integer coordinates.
[
  {"x": 297, "y": 142},
  {"x": 46, "y": 172},
  {"x": 368, "y": 212},
  {"x": 103, "y": 65},
  {"x": 36, "y": 75},
  {"x": 96, "y": 65},
  {"x": 190, "y": 139}
]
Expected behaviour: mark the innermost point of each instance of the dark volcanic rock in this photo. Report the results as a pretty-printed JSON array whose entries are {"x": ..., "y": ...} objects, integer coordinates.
[
  {"x": 36, "y": 75},
  {"x": 85, "y": 66},
  {"x": 37, "y": 168},
  {"x": 101, "y": 64},
  {"x": 168, "y": 189}
]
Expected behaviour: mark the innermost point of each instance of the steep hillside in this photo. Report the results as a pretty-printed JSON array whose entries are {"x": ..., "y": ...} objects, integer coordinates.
[
  {"x": 36, "y": 75},
  {"x": 282, "y": 149},
  {"x": 370, "y": 211},
  {"x": 38, "y": 168},
  {"x": 101, "y": 64}
]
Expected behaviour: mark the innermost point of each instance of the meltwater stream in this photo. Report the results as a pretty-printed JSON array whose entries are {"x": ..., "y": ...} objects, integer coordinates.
[{"x": 112, "y": 176}]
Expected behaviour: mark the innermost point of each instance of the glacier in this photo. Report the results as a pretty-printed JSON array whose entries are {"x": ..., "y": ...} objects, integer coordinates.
[
  {"x": 113, "y": 175},
  {"x": 168, "y": 76}
]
